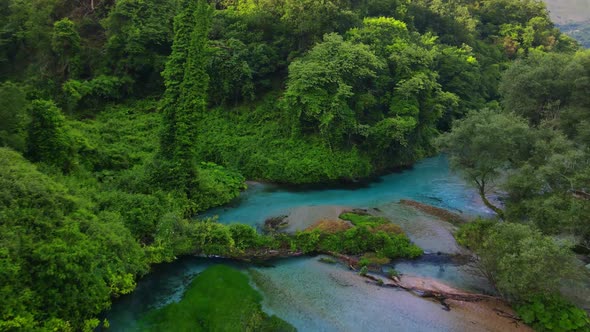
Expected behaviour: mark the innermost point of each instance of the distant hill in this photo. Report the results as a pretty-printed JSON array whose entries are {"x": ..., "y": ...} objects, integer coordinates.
[{"x": 572, "y": 17}]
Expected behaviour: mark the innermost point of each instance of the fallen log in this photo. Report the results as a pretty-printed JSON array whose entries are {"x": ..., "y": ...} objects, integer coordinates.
[
  {"x": 439, "y": 294},
  {"x": 425, "y": 292}
]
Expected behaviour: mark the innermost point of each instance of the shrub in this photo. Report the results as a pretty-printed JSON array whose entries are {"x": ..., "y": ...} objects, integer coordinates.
[
  {"x": 521, "y": 262},
  {"x": 50, "y": 139},
  {"x": 552, "y": 313},
  {"x": 473, "y": 234},
  {"x": 364, "y": 271}
]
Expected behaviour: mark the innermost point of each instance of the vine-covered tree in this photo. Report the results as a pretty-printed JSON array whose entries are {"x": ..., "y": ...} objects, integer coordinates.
[
  {"x": 65, "y": 44},
  {"x": 139, "y": 37},
  {"x": 185, "y": 99},
  {"x": 49, "y": 137}
]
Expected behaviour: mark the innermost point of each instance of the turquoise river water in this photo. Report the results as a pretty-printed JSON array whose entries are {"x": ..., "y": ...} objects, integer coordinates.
[{"x": 315, "y": 296}]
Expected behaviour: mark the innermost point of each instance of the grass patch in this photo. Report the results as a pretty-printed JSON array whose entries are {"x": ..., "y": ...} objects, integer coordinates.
[
  {"x": 373, "y": 260},
  {"x": 329, "y": 226},
  {"x": 219, "y": 299},
  {"x": 364, "y": 219}
]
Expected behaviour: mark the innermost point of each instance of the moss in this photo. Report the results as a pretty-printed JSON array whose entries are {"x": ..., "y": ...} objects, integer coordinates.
[
  {"x": 218, "y": 299},
  {"x": 388, "y": 228}
]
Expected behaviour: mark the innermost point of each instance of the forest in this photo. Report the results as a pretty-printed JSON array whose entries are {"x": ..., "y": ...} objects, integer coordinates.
[{"x": 121, "y": 120}]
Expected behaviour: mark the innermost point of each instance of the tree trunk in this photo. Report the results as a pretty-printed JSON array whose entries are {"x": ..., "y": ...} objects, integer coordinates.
[{"x": 489, "y": 204}]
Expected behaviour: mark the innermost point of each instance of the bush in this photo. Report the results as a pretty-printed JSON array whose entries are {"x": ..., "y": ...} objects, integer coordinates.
[
  {"x": 521, "y": 262},
  {"x": 551, "y": 313},
  {"x": 364, "y": 270},
  {"x": 216, "y": 186},
  {"x": 50, "y": 139},
  {"x": 473, "y": 234},
  {"x": 244, "y": 236}
]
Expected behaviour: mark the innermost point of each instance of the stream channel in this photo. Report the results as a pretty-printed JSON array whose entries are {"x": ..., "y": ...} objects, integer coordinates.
[{"x": 314, "y": 296}]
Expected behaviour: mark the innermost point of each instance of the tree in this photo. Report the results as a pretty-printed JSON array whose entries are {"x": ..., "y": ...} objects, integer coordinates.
[
  {"x": 322, "y": 86},
  {"x": 49, "y": 137},
  {"x": 536, "y": 87},
  {"x": 13, "y": 112},
  {"x": 551, "y": 189},
  {"x": 139, "y": 37},
  {"x": 185, "y": 99},
  {"x": 309, "y": 20},
  {"x": 485, "y": 144},
  {"x": 551, "y": 88},
  {"x": 403, "y": 110},
  {"x": 522, "y": 263},
  {"x": 65, "y": 44}
]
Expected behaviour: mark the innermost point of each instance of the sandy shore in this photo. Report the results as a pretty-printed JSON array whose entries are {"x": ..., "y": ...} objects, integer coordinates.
[{"x": 483, "y": 315}]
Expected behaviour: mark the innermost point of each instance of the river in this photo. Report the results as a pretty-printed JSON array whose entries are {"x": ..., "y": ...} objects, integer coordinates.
[{"x": 314, "y": 296}]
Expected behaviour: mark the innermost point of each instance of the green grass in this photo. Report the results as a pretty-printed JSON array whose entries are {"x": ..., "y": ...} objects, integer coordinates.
[
  {"x": 363, "y": 220},
  {"x": 218, "y": 299}
]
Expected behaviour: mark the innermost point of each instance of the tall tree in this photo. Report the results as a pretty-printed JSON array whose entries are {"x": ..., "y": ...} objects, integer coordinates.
[
  {"x": 65, "y": 44},
  {"x": 140, "y": 35},
  {"x": 50, "y": 139},
  {"x": 485, "y": 144},
  {"x": 185, "y": 98},
  {"x": 322, "y": 86},
  {"x": 13, "y": 112}
]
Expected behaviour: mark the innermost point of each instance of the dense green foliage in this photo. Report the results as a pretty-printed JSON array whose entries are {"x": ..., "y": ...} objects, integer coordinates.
[
  {"x": 537, "y": 150},
  {"x": 185, "y": 99},
  {"x": 60, "y": 262},
  {"x": 506, "y": 255},
  {"x": 553, "y": 314},
  {"x": 204, "y": 307},
  {"x": 534, "y": 155},
  {"x": 14, "y": 115},
  {"x": 135, "y": 114}
]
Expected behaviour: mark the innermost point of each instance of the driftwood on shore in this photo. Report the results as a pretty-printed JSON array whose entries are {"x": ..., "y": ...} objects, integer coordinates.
[
  {"x": 439, "y": 294},
  {"x": 421, "y": 291}
]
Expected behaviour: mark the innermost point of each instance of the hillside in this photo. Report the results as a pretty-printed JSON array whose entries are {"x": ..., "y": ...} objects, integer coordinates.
[{"x": 573, "y": 18}]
